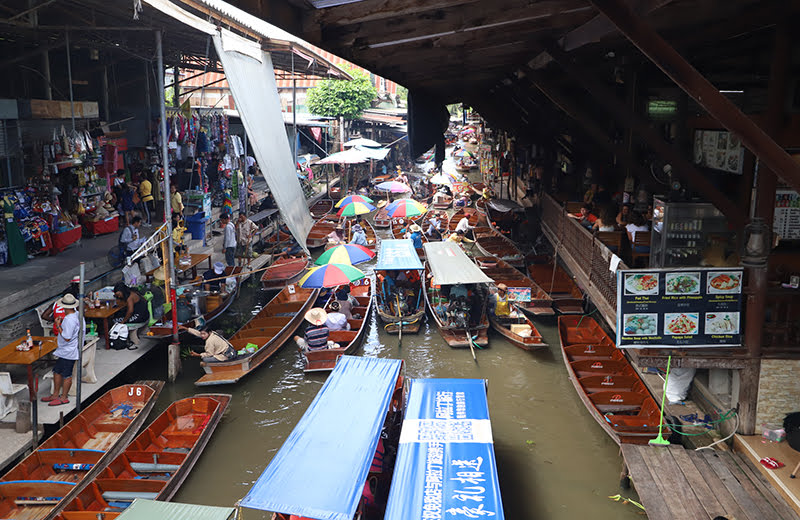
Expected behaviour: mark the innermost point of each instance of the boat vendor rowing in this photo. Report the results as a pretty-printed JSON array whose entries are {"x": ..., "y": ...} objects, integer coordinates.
[
  {"x": 340, "y": 442},
  {"x": 399, "y": 287},
  {"x": 456, "y": 295},
  {"x": 526, "y": 294},
  {"x": 447, "y": 427},
  {"x": 512, "y": 323}
]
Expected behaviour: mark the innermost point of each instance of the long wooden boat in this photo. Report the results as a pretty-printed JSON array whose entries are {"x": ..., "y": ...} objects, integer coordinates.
[
  {"x": 606, "y": 382},
  {"x": 38, "y": 487},
  {"x": 441, "y": 202},
  {"x": 156, "y": 463},
  {"x": 556, "y": 282},
  {"x": 321, "y": 208},
  {"x": 476, "y": 220},
  {"x": 491, "y": 243},
  {"x": 519, "y": 331},
  {"x": 500, "y": 271},
  {"x": 359, "y": 408},
  {"x": 280, "y": 235},
  {"x": 425, "y": 223},
  {"x": 372, "y": 238},
  {"x": 480, "y": 205},
  {"x": 455, "y": 336},
  {"x": 348, "y": 340},
  {"x": 399, "y": 257},
  {"x": 318, "y": 235},
  {"x": 477, "y": 187},
  {"x": 382, "y": 220},
  {"x": 284, "y": 271},
  {"x": 273, "y": 326},
  {"x": 216, "y": 304}
]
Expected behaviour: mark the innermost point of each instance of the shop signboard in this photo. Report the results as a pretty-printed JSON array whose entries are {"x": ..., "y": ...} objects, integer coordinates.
[
  {"x": 786, "y": 223},
  {"x": 718, "y": 149},
  {"x": 519, "y": 294},
  {"x": 679, "y": 308}
]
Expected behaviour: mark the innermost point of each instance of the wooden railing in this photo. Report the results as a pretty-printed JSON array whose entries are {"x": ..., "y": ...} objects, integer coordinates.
[{"x": 586, "y": 256}]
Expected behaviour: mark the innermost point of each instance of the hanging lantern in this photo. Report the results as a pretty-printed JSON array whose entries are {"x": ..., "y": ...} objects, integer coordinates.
[{"x": 757, "y": 241}]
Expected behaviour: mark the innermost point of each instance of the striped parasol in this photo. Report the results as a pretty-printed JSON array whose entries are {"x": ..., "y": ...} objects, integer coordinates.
[
  {"x": 405, "y": 208},
  {"x": 394, "y": 187},
  {"x": 355, "y": 208},
  {"x": 330, "y": 275},
  {"x": 354, "y": 198},
  {"x": 345, "y": 254}
]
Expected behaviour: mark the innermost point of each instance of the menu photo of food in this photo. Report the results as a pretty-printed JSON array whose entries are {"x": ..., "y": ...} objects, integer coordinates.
[
  {"x": 681, "y": 324},
  {"x": 722, "y": 323},
  {"x": 641, "y": 283},
  {"x": 682, "y": 283},
  {"x": 725, "y": 282},
  {"x": 639, "y": 324}
]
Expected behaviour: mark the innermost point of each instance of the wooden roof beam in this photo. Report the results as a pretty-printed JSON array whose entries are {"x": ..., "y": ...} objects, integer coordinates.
[
  {"x": 501, "y": 15},
  {"x": 682, "y": 167},
  {"x": 701, "y": 90},
  {"x": 370, "y": 10}
]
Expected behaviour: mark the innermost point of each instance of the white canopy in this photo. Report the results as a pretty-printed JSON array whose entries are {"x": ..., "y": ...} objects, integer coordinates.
[{"x": 449, "y": 265}]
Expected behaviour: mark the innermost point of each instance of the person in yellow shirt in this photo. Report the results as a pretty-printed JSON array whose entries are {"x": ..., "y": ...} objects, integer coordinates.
[
  {"x": 459, "y": 237},
  {"x": 146, "y": 197},
  {"x": 177, "y": 205},
  {"x": 502, "y": 309}
]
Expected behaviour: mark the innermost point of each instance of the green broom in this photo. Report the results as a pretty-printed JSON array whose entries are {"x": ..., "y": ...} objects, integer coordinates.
[{"x": 660, "y": 440}]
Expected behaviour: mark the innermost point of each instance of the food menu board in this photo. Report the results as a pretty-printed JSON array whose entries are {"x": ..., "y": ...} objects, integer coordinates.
[
  {"x": 786, "y": 222},
  {"x": 686, "y": 308},
  {"x": 718, "y": 149}
]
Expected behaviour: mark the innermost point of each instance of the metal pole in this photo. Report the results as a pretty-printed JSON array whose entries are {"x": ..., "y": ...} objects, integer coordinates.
[
  {"x": 104, "y": 77},
  {"x": 174, "y": 347},
  {"x": 48, "y": 90},
  {"x": 69, "y": 76},
  {"x": 294, "y": 111},
  {"x": 79, "y": 368}
]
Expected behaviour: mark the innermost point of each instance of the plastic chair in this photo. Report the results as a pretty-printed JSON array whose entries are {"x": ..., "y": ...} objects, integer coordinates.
[{"x": 8, "y": 391}]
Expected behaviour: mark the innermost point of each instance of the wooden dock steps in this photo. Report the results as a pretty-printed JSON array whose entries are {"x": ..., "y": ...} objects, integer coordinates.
[{"x": 673, "y": 482}]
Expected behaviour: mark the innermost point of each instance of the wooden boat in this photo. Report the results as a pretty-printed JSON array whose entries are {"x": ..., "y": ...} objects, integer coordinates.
[
  {"x": 491, "y": 243},
  {"x": 318, "y": 235},
  {"x": 476, "y": 220},
  {"x": 281, "y": 236},
  {"x": 156, "y": 463},
  {"x": 216, "y": 305},
  {"x": 284, "y": 271},
  {"x": 372, "y": 238},
  {"x": 557, "y": 283},
  {"x": 382, "y": 220},
  {"x": 519, "y": 331},
  {"x": 38, "y": 487},
  {"x": 500, "y": 271},
  {"x": 273, "y": 326},
  {"x": 401, "y": 224},
  {"x": 348, "y": 340},
  {"x": 606, "y": 382},
  {"x": 456, "y": 336},
  {"x": 480, "y": 205},
  {"x": 401, "y": 258},
  {"x": 321, "y": 208},
  {"x": 425, "y": 223},
  {"x": 477, "y": 187}
]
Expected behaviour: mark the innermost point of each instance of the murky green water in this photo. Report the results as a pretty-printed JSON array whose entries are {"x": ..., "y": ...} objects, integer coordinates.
[{"x": 554, "y": 460}]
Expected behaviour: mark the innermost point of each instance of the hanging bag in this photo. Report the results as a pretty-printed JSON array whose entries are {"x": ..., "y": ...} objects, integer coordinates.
[{"x": 118, "y": 336}]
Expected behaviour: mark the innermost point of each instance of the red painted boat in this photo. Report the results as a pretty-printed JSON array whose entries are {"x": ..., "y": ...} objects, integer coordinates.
[
  {"x": 557, "y": 283},
  {"x": 606, "y": 382},
  {"x": 321, "y": 208},
  {"x": 500, "y": 271},
  {"x": 284, "y": 271}
]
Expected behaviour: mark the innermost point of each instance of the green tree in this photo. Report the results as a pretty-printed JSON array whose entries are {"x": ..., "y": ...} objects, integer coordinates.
[
  {"x": 402, "y": 92},
  {"x": 342, "y": 98}
]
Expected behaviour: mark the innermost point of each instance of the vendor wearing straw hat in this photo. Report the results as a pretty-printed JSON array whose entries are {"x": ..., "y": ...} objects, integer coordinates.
[
  {"x": 502, "y": 309},
  {"x": 67, "y": 351},
  {"x": 316, "y": 335},
  {"x": 416, "y": 235}
]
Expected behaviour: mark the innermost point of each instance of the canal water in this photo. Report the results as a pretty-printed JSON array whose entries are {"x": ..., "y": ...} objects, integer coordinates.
[{"x": 554, "y": 460}]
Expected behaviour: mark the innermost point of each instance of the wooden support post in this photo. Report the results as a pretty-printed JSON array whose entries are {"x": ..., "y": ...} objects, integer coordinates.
[
  {"x": 681, "y": 166},
  {"x": 693, "y": 83},
  {"x": 748, "y": 396}
]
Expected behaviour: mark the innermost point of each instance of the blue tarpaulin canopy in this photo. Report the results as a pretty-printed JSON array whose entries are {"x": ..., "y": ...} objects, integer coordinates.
[
  {"x": 445, "y": 465},
  {"x": 398, "y": 255},
  {"x": 320, "y": 470}
]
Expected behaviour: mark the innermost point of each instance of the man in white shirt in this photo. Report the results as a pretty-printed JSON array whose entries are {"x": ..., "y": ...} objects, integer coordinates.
[
  {"x": 434, "y": 228},
  {"x": 336, "y": 320},
  {"x": 129, "y": 239},
  {"x": 67, "y": 351},
  {"x": 229, "y": 239},
  {"x": 463, "y": 225},
  {"x": 246, "y": 229}
]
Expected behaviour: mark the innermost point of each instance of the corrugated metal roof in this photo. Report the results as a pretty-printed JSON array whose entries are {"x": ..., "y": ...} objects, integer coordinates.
[{"x": 449, "y": 265}]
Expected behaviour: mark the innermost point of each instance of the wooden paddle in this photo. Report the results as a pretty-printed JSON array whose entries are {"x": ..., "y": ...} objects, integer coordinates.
[
  {"x": 400, "y": 323},
  {"x": 471, "y": 347}
]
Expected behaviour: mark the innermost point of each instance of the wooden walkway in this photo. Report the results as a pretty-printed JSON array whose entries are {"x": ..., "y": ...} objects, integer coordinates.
[{"x": 673, "y": 483}]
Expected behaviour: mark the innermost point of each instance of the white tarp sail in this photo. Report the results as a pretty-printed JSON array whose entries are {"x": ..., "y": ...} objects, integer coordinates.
[{"x": 250, "y": 75}]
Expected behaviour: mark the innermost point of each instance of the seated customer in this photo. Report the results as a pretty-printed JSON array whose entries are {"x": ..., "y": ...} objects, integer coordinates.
[
  {"x": 637, "y": 224},
  {"x": 214, "y": 276},
  {"x": 336, "y": 320},
  {"x": 586, "y": 218},
  {"x": 316, "y": 335}
]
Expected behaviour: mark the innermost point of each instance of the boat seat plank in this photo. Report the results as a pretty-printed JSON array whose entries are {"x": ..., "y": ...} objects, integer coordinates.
[{"x": 602, "y": 383}]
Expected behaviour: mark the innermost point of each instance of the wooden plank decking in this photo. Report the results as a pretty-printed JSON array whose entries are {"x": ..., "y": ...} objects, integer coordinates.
[{"x": 673, "y": 482}]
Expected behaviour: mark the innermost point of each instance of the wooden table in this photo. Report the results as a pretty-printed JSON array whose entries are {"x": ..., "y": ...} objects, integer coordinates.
[
  {"x": 197, "y": 259},
  {"x": 9, "y": 355},
  {"x": 103, "y": 313}
]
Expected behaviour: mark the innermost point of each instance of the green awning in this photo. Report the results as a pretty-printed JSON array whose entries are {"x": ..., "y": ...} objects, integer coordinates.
[{"x": 142, "y": 509}]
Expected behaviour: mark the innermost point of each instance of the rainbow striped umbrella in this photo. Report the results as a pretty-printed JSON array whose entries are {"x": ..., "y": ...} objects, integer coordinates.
[
  {"x": 354, "y": 198},
  {"x": 394, "y": 187},
  {"x": 405, "y": 208},
  {"x": 345, "y": 254},
  {"x": 330, "y": 275},
  {"x": 355, "y": 208}
]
